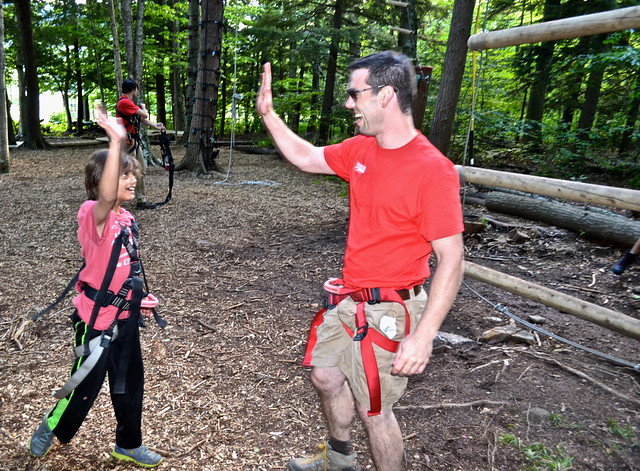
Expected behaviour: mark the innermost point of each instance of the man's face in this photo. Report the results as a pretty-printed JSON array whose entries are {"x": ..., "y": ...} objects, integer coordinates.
[
  {"x": 134, "y": 93},
  {"x": 364, "y": 102}
]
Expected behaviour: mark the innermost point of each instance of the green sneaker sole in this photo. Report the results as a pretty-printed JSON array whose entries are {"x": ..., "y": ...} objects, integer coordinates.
[{"x": 117, "y": 455}]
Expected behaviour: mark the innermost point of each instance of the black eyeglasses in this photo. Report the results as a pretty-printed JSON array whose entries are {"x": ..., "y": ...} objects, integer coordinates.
[{"x": 353, "y": 93}]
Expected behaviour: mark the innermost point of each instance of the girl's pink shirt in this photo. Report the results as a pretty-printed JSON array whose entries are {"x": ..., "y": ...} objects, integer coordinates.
[{"x": 96, "y": 251}]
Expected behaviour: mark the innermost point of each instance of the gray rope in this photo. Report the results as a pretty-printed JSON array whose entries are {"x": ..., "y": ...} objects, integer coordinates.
[{"x": 505, "y": 310}]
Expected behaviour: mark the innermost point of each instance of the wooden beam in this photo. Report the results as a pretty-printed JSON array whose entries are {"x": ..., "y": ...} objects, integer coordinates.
[
  {"x": 612, "y": 320},
  {"x": 585, "y": 25},
  {"x": 397, "y": 4},
  {"x": 621, "y": 198},
  {"x": 401, "y": 30}
]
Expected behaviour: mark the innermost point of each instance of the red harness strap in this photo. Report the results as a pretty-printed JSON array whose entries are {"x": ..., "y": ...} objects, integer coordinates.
[{"x": 367, "y": 337}]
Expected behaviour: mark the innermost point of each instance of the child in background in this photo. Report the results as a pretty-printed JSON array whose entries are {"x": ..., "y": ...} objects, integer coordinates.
[
  {"x": 110, "y": 180},
  {"x": 627, "y": 259}
]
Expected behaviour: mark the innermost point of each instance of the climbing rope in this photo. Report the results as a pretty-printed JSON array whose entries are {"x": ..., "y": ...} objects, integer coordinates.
[
  {"x": 505, "y": 310},
  {"x": 235, "y": 97}
]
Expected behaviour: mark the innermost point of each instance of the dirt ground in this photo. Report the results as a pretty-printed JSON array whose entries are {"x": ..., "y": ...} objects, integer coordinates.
[{"x": 238, "y": 265}]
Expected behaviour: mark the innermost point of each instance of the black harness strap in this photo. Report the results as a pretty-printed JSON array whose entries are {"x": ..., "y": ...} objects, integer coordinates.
[
  {"x": 133, "y": 138},
  {"x": 62, "y": 295},
  {"x": 106, "y": 281},
  {"x": 168, "y": 162},
  {"x": 132, "y": 324}
]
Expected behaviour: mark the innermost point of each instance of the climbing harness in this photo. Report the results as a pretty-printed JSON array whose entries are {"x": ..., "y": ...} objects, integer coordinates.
[
  {"x": 132, "y": 126},
  {"x": 368, "y": 337},
  {"x": 103, "y": 297}
]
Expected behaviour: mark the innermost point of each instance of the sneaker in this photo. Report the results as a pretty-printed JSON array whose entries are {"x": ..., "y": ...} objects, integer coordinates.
[
  {"x": 621, "y": 265},
  {"x": 141, "y": 456},
  {"x": 326, "y": 460},
  {"x": 42, "y": 438}
]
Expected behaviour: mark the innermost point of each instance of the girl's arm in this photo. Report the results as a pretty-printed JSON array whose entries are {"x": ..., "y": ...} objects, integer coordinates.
[{"x": 108, "y": 186}]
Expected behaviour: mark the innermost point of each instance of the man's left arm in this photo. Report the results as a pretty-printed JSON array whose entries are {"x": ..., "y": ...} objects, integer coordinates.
[
  {"x": 414, "y": 351},
  {"x": 144, "y": 118}
]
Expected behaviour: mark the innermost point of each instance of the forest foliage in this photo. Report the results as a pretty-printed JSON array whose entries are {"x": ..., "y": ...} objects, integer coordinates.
[{"x": 568, "y": 108}]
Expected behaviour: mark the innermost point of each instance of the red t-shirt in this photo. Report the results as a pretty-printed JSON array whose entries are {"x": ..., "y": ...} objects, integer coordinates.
[
  {"x": 127, "y": 108},
  {"x": 400, "y": 200},
  {"x": 96, "y": 251}
]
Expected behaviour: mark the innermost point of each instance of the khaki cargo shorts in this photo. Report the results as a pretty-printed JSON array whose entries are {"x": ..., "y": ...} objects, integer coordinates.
[{"x": 335, "y": 348}]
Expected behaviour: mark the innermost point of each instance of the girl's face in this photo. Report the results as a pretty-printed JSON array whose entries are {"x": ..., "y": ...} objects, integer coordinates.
[{"x": 126, "y": 186}]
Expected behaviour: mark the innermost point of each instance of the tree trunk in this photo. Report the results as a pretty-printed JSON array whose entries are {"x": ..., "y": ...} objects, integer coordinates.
[
  {"x": 592, "y": 92},
  {"x": 330, "y": 81},
  {"x": 4, "y": 123},
  {"x": 608, "y": 227},
  {"x": 312, "y": 125},
  {"x": 202, "y": 135},
  {"x": 632, "y": 116},
  {"x": 137, "y": 46},
  {"x": 78, "y": 67},
  {"x": 541, "y": 79},
  {"x": 177, "y": 92},
  {"x": 409, "y": 42},
  {"x": 192, "y": 58},
  {"x": 452, "y": 73},
  {"x": 117, "y": 65},
  {"x": 10, "y": 129},
  {"x": 31, "y": 127},
  {"x": 22, "y": 93},
  {"x": 161, "y": 97},
  {"x": 223, "y": 104},
  {"x": 127, "y": 34}
]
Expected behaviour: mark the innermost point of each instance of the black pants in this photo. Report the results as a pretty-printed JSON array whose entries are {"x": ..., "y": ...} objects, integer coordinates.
[{"x": 68, "y": 414}]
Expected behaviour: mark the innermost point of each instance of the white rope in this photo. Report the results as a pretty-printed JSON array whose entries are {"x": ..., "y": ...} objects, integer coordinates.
[{"x": 234, "y": 116}]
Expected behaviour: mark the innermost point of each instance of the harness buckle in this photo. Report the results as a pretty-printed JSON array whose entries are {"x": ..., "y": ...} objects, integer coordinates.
[
  {"x": 108, "y": 298},
  {"x": 106, "y": 339},
  {"x": 374, "y": 296},
  {"x": 136, "y": 268},
  {"x": 361, "y": 332},
  {"x": 328, "y": 302}
]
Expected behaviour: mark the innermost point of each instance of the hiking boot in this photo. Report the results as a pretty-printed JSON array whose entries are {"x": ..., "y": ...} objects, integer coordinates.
[
  {"x": 42, "y": 438},
  {"x": 326, "y": 460},
  {"x": 621, "y": 265},
  {"x": 141, "y": 456}
]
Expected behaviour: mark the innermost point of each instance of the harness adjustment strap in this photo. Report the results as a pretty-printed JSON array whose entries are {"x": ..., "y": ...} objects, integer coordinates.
[
  {"x": 96, "y": 347},
  {"x": 368, "y": 337}
]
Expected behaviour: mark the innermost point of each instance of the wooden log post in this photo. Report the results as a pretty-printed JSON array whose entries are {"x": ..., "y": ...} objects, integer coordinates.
[
  {"x": 423, "y": 75},
  {"x": 612, "y": 320},
  {"x": 585, "y": 25},
  {"x": 612, "y": 228},
  {"x": 621, "y": 198}
]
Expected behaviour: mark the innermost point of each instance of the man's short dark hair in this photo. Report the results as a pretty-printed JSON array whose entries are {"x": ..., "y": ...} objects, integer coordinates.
[
  {"x": 129, "y": 86},
  {"x": 393, "y": 69}
]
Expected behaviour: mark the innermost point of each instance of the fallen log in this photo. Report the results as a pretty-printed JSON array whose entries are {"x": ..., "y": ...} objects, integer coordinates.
[
  {"x": 622, "y": 198},
  {"x": 612, "y": 320},
  {"x": 612, "y": 228}
]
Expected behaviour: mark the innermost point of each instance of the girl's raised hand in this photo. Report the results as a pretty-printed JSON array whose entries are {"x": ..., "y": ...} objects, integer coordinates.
[{"x": 112, "y": 126}]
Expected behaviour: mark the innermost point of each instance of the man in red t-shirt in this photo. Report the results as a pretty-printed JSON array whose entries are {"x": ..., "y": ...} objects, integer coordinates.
[
  {"x": 133, "y": 116},
  {"x": 404, "y": 205}
]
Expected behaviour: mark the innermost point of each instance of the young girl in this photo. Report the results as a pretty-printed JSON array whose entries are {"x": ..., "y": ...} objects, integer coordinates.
[{"x": 108, "y": 237}]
